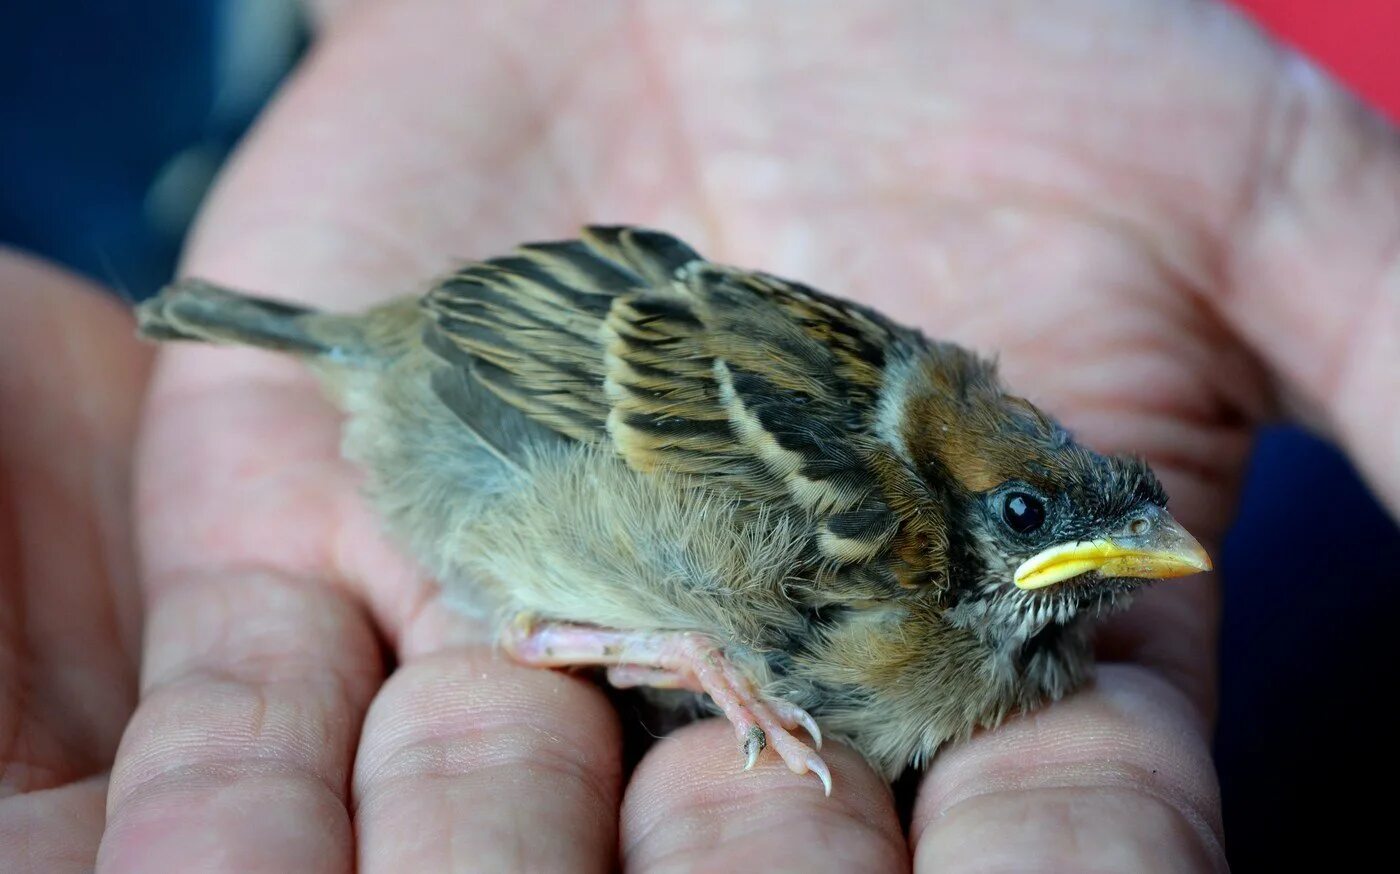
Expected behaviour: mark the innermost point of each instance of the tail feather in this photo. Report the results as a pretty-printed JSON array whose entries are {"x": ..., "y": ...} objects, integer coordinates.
[{"x": 195, "y": 310}]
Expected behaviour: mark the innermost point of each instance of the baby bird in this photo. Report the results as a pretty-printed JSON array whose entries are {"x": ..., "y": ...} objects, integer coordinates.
[{"x": 712, "y": 479}]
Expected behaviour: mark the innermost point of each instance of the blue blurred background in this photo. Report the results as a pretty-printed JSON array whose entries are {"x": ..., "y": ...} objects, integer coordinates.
[{"x": 115, "y": 117}]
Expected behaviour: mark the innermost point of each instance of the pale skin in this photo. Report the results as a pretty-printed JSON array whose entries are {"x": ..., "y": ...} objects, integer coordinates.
[{"x": 1167, "y": 226}]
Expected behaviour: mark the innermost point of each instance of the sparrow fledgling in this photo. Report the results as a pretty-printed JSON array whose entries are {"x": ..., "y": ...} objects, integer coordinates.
[{"x": 713, "y": 479}]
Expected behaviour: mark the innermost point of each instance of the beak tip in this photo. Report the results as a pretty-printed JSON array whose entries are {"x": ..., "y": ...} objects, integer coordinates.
[
  {"x": 1192, "y": 563},
  {"x": 1194, "y": 555}
]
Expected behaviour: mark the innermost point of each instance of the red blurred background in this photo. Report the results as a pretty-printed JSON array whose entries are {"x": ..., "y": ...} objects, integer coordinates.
[{"x": 1357, "y": 40}]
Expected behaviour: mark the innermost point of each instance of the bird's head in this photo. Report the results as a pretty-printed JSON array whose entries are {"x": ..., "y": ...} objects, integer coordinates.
[{"x": 1041, "y": 529}]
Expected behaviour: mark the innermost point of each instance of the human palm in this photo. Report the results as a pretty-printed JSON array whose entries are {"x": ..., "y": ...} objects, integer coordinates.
[{"x": 1108, "y": 194}]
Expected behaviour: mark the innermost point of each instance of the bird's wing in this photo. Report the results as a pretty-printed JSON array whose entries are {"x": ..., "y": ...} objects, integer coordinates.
[
  {"x": 527, "y": 326},
  {"x": 629, "y": 337}
]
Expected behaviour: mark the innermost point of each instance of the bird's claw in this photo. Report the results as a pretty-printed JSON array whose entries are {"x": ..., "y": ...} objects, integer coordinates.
[
  {"x": 753, "y": 745},
  {"x": 791, "y": 713},
  {"x": 774, "y": 718},
  {"x": 817, "y": 766}
]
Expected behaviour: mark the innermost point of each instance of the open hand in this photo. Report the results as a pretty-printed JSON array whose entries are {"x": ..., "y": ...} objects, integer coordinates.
[{"x": 1163, "y": 223}]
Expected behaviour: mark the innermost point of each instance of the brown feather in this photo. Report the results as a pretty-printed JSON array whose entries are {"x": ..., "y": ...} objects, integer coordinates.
[{"x": 684, "y": 366}]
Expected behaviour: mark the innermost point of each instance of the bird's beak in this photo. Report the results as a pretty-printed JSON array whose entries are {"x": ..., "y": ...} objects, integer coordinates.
[{"x": 1153, "y": 546}]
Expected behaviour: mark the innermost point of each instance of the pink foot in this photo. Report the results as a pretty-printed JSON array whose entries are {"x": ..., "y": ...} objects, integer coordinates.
[{"x": 677, "y": 660}]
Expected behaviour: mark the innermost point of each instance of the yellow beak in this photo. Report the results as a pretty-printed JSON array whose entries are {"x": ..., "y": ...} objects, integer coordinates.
[{"x": 1154, "y": 546}]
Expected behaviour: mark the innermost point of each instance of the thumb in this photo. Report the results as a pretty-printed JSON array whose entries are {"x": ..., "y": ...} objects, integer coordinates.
[{"x": 1313, "y": 268}]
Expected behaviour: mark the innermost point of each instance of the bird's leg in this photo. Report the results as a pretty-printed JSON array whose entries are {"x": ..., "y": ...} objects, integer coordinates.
[
  {"x": 677, "y": 660},
  {"x": 632, "y": 676}
]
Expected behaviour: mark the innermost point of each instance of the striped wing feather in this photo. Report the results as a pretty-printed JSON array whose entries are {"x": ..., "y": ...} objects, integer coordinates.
[{"x": 627, "y": 336}]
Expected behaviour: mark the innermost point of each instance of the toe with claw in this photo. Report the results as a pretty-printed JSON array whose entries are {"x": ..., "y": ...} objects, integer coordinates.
[{"x": 686, "y": 661}]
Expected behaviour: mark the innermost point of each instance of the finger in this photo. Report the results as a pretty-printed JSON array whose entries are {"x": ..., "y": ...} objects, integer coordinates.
[
  {"x": 690, "y": 806},
  {"x": 52, "y": 831},
  {"x": 238, "y": 757},
  {"x": 1312, "y": 263},
  {"x": 1116, "y": 778},
  {"x": 71, "y": 380},
  {"x": 471, "y": 763}
]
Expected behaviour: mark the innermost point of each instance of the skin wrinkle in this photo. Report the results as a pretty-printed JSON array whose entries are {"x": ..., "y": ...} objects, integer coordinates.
[
  {"x": 1153, "y": 394},
  {"x": 505, "y": 701},
  {"x": 198, "y": 573},
  {"x": 141, "y": 841},
  {"x": 242, "y": 768},
  {"x": 235, "y": 767},
  {"x": 1078, "y": 821},
  {"x": 203, "y": 583},
  {"x": 253, "y": 664},
  {"x": 442, "y": 732},
  {"x": 828, "y": 840},
  {"x": 504, "y": 759},
  {"x": 735, "y": 828},
  {"x": 493, "y": 737},
  {"x": 1185, "y": 414},
  {"x": 1207, "y": 841},
  {"x": 1092, "y": 776},
  {"x": 1235, "y": 394}
]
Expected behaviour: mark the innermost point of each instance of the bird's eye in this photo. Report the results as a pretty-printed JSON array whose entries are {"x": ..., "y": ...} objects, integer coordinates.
[{"x": 1022, "y": 513}]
